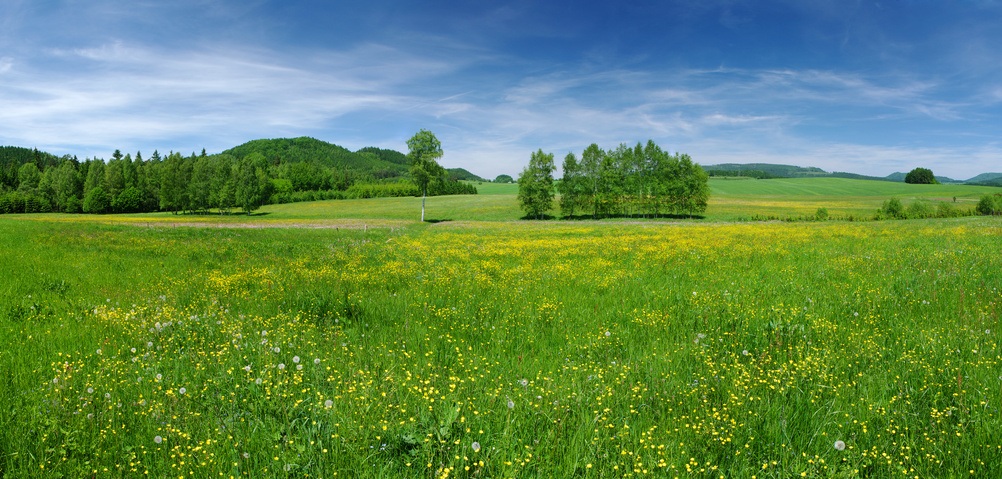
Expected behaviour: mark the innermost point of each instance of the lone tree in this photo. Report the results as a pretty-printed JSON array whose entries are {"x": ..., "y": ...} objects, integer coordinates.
[
  {"x": 535, "y": 185},
  {"x": 921, "y": 176},
  {"x": 424, "y": 152}
]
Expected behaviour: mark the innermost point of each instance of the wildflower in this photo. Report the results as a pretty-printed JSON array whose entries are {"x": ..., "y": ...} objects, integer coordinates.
[
  {"x": 107, "y": 395},
  {"x": 182, "y": 391},
  {"x": 159, "y": 376},
  {"x": 257, "y": 381},
  {"x": 511, "y": 404},
  {"x": 475, "y": 446},
  {"x": 524, "y": 382},
  {"x": 607, "y": 334},
  {"x": 839, "y": 446},
  {"x": 90, "y": 390},
  {"x": 133, "y": 350},
  {"x": 247, "y": 368},
  {"x": 281, "y": 365},
  {"x": 744, "y": 352},
  {"x": 98, "y": 352},
  {"x": 299, "y": 367},
  {"x": 158, "y": 439},
  {"x": 316, "y": 361},
  {"x": 295, "y": 359},
  {"x": 246, "y": 455},
  {"x": 149, "y": 344},
  {"x": 328, "y": 404}
]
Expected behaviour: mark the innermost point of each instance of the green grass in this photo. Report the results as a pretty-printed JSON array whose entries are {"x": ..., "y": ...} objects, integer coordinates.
[{"x": 584, "y": 349}]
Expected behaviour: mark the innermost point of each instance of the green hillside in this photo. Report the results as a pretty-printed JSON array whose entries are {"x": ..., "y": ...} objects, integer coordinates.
[{"x": 366, "y": 162}]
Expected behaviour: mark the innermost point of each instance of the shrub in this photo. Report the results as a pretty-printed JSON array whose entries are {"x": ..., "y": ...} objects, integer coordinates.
[
  {"x": 821, "y": 214},
  {"x": 920, "y": 209},
  {"x": 96, "y": 201},
  {"x": 893, "y": 209},
  {"x": 990, "y": 205}
]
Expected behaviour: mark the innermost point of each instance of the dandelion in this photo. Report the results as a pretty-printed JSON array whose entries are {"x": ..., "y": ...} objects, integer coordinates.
[
  {"x": 149, "y": 344},
  {"x": 182, "y": 391},
  {"x": 295, "y": 359},
  {"x": 607, "y": 334},
  {"x": 55, "y": 380},
  {"x": 246, "y": 455},
  {"x": 247, "y": 368},
  {"x": 107, "y": 395},
  {"x": 475, "y": 446},
  {"x": 839, "y": 446},
  {"x": 159, "y": 376},
  {"x": 281, "y": 365},
  {"x": 524, "y": 382},
  {"x": 511, "y": 404},
  {"x": 328, "y": 404},
  {"x": 257, "y": 381},
  {"x": 158, "y": 439},
  {"x": 299, "y": 367},
  {"x": 316, "y": 361},
  {"x": 98, "y": 352},
  {"x": 133, "y": 350},
  {"x": 90, "y": 390},
  {"x": 277, "y": 349},
  {"x": 744, "y": 352}
]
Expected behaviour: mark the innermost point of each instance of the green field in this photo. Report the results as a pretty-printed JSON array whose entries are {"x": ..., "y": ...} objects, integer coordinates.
[{"x": 346, "y": 339}]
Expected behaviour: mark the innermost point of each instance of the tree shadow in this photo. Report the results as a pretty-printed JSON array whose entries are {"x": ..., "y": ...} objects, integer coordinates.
[
  {"x": 537, "y": 217},
  {"x": 632, "y": 217},
  {"x": 444, "y": 220}
]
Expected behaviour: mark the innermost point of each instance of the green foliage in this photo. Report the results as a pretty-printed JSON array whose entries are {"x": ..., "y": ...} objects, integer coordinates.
[
  {"x": 504, "y": 179},
  {"x": 893, "y": 208},
  {"x": 921, "y": 176},
  {"x": 821, "y": 214},
  {"x": 424, "y": 152},
  {"x": 460, "y": 174},
  {"x": 96, "y": 201},
  {"x": 535, "y": 185},
  {"x": 130, "y": 200},
  {"x": 643, "y": 180},
  {"x": 990, "y": 204}
]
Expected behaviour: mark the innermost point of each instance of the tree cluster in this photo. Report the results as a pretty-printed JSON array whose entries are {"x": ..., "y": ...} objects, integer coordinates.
[
  {"x": 643, "y": 180},
  {"x": 921, "y": 176}
]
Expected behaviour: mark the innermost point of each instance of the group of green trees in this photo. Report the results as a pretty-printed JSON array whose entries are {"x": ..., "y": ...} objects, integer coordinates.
[
  {"x": 127, "y": 184},
  {"x": 640, "y": 181},
  {"x": 243, "y": 178}
]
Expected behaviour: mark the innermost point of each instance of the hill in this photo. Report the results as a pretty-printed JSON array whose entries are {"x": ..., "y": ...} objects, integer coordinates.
[
  {"x": 461, "y": 174},
  {"x": 373, "y": 162},
  {"x": 994, "y": 179},
  {"x": 779, "y": 171}
]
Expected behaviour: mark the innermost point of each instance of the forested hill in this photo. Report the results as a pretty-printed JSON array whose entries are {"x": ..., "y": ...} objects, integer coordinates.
[{"x": 374, "y": 162}]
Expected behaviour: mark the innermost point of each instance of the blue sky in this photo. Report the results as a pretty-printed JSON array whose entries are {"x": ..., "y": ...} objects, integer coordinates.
[{"x": 865, "y": 87}]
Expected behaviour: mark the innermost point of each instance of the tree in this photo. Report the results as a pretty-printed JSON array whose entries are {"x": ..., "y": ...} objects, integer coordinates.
[
  {"x": 504, "y": 179},
  {"x": 96, "y": 201},
  {"x": 990, "y": 205},
  {"x": 424, "y": 152},
  {"x": 921, "y": 176},
  {"x": 252, "y": 186},
  {"x": 535, "y": 185},
  {"x": 572, "y": 186}
]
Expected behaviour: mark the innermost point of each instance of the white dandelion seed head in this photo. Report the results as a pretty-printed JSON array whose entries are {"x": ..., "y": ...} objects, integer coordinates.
[
  {"x": 839, "y": 446},
  {"x": 158, "y": 439},
  {"x": 607, "y": 334},
  {"x": 107, "y": 395},
  {"x": 299, "y": 367},
  {"x": 475, "y": 446},
  {"x": 55, "y": 380},
  {"x": 257, "y": 381},
  {"x": 247, "y": 368},
  {"x": 511, "y": 404},
  {"x": 328, "y": 404},
  {"x": 159, "y": 376},
  {"x": 524, "y": 382},
  {"x": 246, "y": 455},
  {"x": 295, "y": 359},
  {"x": 98, "y": 352},
  {"x": 744, "y": 352},
  {"x": 281, "y": 365},
  {"x": 149, "y": 344},
  {"x": 133, "y": 350},
  {"x": 182, "y": 391},
  {"x": 90, "y": 390},
  {"x": 316, "y": 361}
]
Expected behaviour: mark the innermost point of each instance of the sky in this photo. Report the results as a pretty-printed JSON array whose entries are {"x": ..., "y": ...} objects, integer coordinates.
[{"x": 863, "y": 87}]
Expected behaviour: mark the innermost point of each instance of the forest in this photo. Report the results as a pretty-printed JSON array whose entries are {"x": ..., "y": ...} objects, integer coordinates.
[{"x": 243, "y": 178}]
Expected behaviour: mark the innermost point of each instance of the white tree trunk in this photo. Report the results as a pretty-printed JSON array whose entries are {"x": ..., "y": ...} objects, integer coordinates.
[{"x": 423, "y": 197}]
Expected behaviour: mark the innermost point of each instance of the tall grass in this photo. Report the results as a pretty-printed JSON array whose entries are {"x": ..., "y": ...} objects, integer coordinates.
[{"x": 502, "y": 350}]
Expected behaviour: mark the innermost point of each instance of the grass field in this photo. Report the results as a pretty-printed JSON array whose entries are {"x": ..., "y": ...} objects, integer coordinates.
[{"x": 350, "y": 341}]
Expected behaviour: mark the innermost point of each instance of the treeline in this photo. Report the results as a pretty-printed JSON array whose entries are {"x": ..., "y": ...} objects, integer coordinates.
[
  {"x": 35, "y": 182},
  {"x": 643, "y": 180},
  {"x": 757, "y": 174}
]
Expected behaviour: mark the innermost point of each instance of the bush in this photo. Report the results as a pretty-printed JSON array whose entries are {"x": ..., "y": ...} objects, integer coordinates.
[
  {"x": 72, "y": 205},
  {"x": 990, "y": 205},
  {"x": 893, "y": 209},
  {"x": 821, "y": 214},
  {"x": 920, "y": 209}
]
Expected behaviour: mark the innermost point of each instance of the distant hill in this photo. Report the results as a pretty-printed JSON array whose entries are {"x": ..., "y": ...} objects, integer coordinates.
[
  {"x": 779, "y": 171},
  {"x": 368, "y": 161},
  {"x": 462, "y": 175},
  {"x": 986, "y": 178}
]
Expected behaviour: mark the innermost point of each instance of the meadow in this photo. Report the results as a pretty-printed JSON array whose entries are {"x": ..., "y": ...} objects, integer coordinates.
[{"x": 370, "y": 345}]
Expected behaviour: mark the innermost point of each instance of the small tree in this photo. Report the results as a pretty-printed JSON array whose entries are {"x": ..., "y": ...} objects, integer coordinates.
[
  {"x": 990, "y": 205},
  {"x": 921, "y": 176},
  {"x": 504, "y": 179},
  {"x": 425, "y": 150},
  {"x": 535, "y": 185},
  {"x": 893, "y": 208}
]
